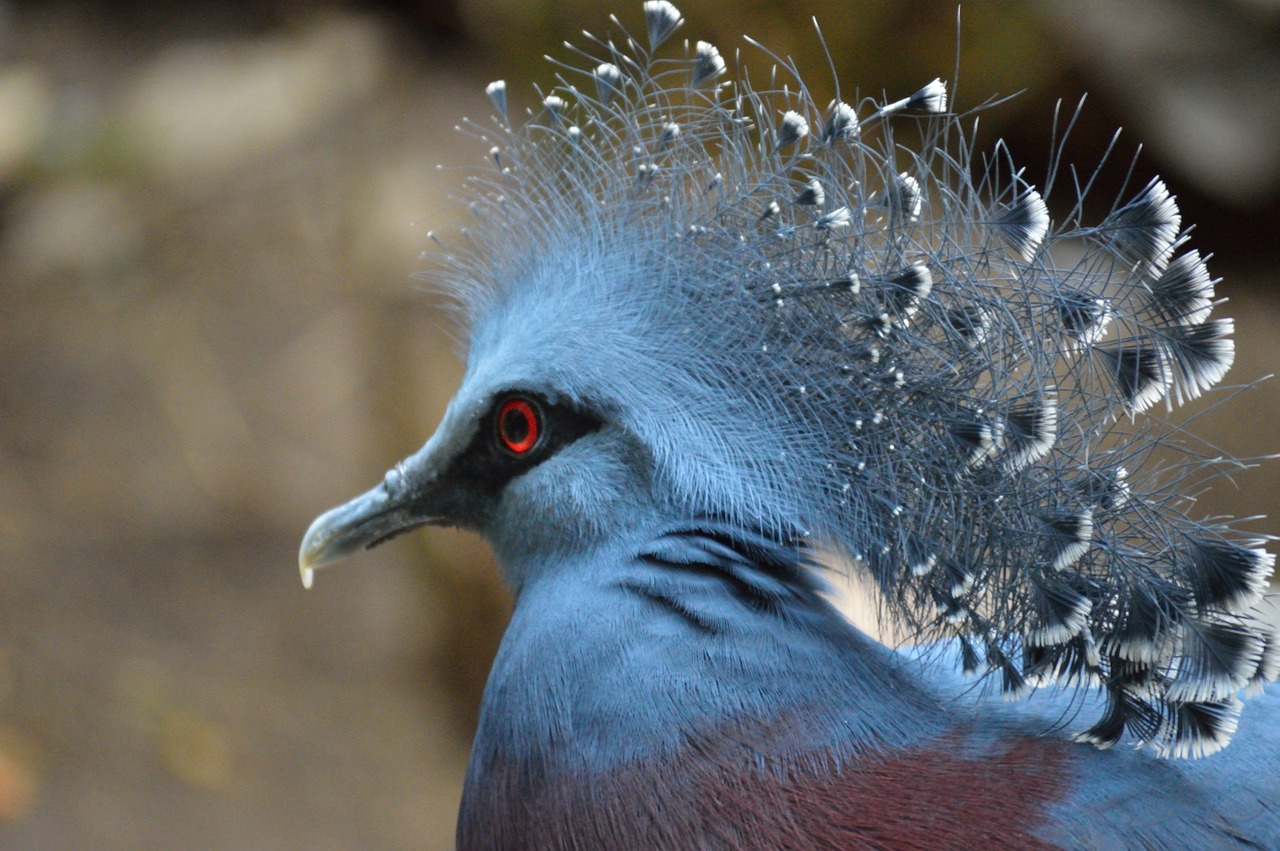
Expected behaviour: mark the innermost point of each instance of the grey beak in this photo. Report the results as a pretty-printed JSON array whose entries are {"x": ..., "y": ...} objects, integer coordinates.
[{"x": 371, "y": 518}]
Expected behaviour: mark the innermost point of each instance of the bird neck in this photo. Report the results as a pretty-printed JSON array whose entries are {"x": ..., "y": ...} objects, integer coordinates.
[{"x": 635, "y": 654}]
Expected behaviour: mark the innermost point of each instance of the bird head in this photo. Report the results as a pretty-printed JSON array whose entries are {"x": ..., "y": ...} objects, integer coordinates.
[{"x": 593, "y": 401}]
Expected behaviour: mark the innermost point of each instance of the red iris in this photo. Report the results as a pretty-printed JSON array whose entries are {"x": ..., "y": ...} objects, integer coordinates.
[{"x": 518, "y": 426}]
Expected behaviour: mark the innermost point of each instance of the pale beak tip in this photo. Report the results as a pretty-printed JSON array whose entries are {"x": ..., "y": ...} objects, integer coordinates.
[{"x": 311, "y": 554}]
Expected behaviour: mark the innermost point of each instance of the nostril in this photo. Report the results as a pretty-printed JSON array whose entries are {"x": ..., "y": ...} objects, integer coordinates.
[{"x": 394, "y": 479}]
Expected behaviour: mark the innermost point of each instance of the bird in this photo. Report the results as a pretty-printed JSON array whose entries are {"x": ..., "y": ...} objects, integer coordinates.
[{"x": 726, "y": 344}]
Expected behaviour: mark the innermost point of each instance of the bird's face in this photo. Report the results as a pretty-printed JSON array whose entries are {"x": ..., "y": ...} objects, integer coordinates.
[
  {"x": 588, "y": 410},
  {"x": 533, "y": 473}
]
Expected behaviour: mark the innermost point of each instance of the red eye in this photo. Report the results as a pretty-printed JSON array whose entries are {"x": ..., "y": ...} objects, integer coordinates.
[{"x": 518, "y": 426}]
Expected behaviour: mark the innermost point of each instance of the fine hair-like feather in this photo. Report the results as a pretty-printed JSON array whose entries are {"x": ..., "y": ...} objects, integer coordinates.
[{"x": 880, "y": 344}]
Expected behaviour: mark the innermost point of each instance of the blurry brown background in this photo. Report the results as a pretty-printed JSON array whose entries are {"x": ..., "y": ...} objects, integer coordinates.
[{"x": 209, "y": 218}]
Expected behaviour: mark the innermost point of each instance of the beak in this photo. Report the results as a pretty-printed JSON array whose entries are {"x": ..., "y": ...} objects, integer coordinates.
[{"x": 412, "y": 494}]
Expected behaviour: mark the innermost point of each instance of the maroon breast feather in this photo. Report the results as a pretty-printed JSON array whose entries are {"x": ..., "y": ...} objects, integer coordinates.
[{"x": 744, "y": 786}]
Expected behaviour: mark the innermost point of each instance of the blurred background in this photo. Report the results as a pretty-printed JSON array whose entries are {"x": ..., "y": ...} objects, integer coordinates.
[{"x": 210, "y": 218}]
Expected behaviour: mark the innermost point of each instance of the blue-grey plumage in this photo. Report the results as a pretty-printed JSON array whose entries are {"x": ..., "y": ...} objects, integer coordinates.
[{"x": 716, "y": 331}]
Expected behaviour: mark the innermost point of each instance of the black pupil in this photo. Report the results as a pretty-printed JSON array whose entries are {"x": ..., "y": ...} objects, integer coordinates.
[{"x": 515, "y": 426}]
